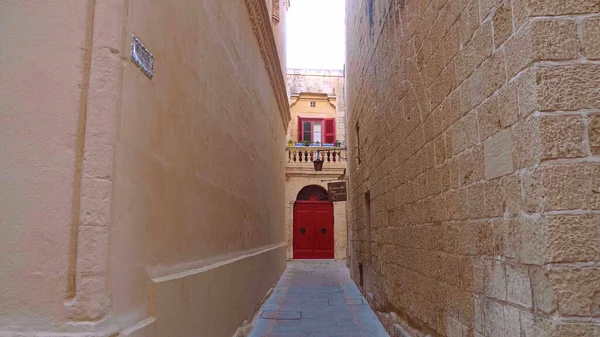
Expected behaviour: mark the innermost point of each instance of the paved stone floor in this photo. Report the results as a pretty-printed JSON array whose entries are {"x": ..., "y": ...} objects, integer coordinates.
[{"x": 316, "y": 299}]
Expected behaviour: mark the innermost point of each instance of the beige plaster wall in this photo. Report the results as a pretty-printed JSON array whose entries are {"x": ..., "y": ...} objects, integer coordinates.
[
  {"x": 145, "y": 207},
  {"x": 199, "y": 164},
  {"x": 475, "y": 207},
  {"x": 42, "y": 79}
]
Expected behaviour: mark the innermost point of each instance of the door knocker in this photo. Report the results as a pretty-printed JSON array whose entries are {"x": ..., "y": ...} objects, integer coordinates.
[
  {"x": 302, "y": 230},
  {"x": 323, "y": 230}
]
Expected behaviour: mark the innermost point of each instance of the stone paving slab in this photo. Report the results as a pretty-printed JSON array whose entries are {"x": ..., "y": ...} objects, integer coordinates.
[
  {"x": 281, "y": 315},
  {"x": 348, "y": 301},
  {"x": 316, "y": 299}
]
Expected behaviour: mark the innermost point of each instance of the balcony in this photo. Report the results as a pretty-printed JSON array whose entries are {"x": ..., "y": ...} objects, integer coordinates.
[{"x": 300, "y": 160}]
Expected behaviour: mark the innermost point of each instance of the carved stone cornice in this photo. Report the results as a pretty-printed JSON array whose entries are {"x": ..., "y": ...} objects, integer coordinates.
[{"x": 261, "y": 26}]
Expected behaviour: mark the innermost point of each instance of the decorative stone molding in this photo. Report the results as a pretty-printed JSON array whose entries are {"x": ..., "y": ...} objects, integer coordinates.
[
  {"x": 276, "y": 5},
  {"x": 261, "y": 25}
]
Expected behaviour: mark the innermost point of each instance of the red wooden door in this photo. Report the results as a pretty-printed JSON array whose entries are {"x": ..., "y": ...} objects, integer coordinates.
[{"x": 313, "y": 230}]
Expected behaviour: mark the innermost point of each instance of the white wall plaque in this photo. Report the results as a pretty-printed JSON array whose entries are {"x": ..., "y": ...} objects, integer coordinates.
[{"x": 142, "y": 56}]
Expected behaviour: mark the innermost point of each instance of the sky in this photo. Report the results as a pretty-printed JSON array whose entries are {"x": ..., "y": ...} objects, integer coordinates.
[{"x": 316, "y": 34}]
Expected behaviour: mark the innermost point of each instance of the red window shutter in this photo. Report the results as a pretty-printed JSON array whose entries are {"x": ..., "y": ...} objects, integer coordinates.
[
  {"x": 299, "y": 129},
  {"x": 329, "y": 130}
]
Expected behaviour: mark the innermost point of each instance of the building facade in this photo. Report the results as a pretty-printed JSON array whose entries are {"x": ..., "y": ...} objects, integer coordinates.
[
  {"x": 474, "y": 132},
  {"x": 317, "y": 128},
  {"x": 140, "y": 203}
]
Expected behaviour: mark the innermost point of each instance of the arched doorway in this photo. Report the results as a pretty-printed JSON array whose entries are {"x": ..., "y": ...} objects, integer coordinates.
[{"x": 313, "y": 224}]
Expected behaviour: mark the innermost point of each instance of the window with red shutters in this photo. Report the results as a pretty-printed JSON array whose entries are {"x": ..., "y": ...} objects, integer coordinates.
[
  {"x": 309, "y": 129},
  {"x": 329, "y": 130}
]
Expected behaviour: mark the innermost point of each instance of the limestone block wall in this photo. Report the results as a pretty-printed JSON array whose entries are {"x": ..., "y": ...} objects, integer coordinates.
[
  {"x": 327, "y": 81},
  {"x": 475, "y": 208},
  {"x": 137, "y": 206}
]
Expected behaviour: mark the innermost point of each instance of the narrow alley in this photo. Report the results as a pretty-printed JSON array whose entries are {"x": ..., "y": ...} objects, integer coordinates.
[
  {"x": 316, "y": 298},
  {"x": 300, "y": 168}
]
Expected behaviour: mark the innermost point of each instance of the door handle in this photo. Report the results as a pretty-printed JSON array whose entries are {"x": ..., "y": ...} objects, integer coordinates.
[{"x": 323, "y": 230}]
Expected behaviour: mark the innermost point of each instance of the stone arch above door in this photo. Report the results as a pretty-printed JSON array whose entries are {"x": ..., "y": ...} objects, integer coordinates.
[{"x": 313, "y": 193}]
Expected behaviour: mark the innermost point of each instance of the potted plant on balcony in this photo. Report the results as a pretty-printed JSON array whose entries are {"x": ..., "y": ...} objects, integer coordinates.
[
  {"x": 290, "y": 143},
  {"x": 338, "y": 143},
  {"x": 306, "y": 142}
]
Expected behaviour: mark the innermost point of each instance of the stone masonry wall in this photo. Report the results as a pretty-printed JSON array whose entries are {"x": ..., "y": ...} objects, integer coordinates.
[{"x": 475, "y": 208}]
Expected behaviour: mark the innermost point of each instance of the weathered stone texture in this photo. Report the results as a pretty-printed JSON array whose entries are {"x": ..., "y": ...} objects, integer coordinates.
[
  {"x": 573, "y": 238},
  {"x": 498, "y": 155},
  {"x": 543, "y": 293},
  {"x": 542, "y": 40},
  {"x": 591, "y": 37},
  {"x": 594, "y": 134},
  {"x": 571, "y": 187},
  {"x": 562, "y": 137},
  {"x": 575, "y": 330},
  {"x": 480, "y": 163},
  {"x": 559, "y": 7},
  {"x": 569, "y": 87},
  {"x": 518, "y": 285},
  {"x": 532, "y": 234},
  {"x": 503, "y": 23},
  {"x": 576, "y": 290},
  {"x": 526, "y": 142},
  {"x": 508, "y": 107},
  {"x": 555, "y": 39}
]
